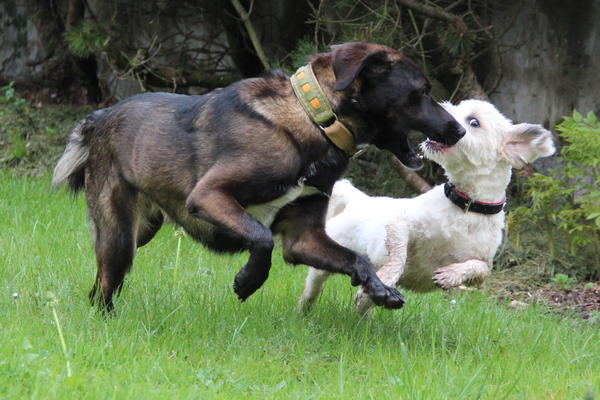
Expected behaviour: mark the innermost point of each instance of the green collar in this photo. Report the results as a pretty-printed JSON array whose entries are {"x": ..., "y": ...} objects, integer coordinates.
[{"x": 313, "y": 100}]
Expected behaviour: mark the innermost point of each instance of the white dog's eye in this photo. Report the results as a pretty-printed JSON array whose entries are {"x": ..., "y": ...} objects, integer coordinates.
[{"x": 474, "y": 122}]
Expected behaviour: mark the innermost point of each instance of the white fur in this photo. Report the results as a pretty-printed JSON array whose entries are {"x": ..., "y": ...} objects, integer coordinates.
[
  {"x": 75, "y": 155},
  {"x": 266, "y": 212},
  {"x": 428, "y": 241}
]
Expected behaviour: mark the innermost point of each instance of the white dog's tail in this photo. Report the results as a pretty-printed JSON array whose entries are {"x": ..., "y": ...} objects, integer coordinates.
[{"x": 343, "y": 192}]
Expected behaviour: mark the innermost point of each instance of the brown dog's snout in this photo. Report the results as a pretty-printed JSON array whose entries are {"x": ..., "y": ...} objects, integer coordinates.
[
  {"x": 458, "y": 129},
  {"x": 453, "y": 133}
]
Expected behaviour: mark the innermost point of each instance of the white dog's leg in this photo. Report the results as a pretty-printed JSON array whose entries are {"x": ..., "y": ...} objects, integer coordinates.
[
  {"x": 469, "y": 272},
  {"x": 396, "y": 243},
  {"x": 336, "y": 229},
  {"x": 313, "y": 286}
]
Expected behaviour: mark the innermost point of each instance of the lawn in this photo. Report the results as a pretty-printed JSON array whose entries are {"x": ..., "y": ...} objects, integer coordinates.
[{"x": 179, "y": 332}]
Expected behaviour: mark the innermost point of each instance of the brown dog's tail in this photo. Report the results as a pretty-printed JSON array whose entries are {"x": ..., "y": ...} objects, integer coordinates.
[
  {"x": 71, "y": 165},
  {"x": 343, "y": 192}
]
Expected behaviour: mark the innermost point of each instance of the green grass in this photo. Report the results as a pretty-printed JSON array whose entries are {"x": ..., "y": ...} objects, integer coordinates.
[{"x": 179, "y": 332}]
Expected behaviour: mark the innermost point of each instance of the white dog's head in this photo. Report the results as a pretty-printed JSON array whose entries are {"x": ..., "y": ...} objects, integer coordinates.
[{"x": 492, "y": 142}]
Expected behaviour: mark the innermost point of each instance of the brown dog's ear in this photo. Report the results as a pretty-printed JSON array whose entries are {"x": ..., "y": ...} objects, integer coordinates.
[
  {"x": 350, "y": 59},
  {"x": 526, "y": 143}
]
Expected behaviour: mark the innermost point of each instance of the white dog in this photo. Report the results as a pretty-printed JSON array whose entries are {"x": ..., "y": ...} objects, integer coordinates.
[{"x": 449, "y": 235}]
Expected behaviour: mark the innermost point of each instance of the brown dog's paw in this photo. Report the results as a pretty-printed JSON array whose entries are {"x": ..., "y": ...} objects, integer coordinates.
[
  {"x": 379, "y": 293},
  {"x": 385, "y": 296},
  {"x": 247, "y": 282},
  {"x": 446, "y": 278}
]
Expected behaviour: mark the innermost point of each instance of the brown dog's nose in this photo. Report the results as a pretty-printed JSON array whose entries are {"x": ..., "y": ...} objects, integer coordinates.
[
  {"x": 454, "y": 131},
  {"x": 459, "y": 129}
]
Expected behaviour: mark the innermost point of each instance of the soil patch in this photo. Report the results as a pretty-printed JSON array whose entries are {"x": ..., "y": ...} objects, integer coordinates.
[{"x": 583, "y": 299}]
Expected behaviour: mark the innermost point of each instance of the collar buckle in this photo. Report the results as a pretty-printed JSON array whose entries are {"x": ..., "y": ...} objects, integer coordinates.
[
  {"x": 468, "y": 205},
  {"x": 329, "y": 122}
]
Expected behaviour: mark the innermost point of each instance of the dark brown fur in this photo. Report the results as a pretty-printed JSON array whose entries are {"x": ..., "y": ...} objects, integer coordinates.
[{"x": 201, "y": 160}]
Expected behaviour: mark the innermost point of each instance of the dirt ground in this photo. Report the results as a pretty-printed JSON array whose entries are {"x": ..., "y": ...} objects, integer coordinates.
[{"x": 582, "y": 299}]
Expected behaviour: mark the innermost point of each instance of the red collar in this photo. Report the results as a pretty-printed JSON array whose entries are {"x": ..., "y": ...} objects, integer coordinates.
[{"x": 468, "y": 204}]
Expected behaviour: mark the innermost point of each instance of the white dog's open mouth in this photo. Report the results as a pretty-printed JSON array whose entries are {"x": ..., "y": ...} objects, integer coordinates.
[{"x": 434, "y": 146}]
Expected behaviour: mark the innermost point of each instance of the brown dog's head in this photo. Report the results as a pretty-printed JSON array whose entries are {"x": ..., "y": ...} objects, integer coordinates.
[{"x": 392, "y": 96}]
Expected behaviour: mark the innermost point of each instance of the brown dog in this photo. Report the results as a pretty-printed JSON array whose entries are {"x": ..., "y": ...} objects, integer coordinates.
[{"x": 238, "y": 165}]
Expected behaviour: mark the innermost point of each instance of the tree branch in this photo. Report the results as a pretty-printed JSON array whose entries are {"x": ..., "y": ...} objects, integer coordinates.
[
  {"x": 429, "y": 11},
  {"x": 411, "y": 177},
  {"x": 252, "y": 33}
]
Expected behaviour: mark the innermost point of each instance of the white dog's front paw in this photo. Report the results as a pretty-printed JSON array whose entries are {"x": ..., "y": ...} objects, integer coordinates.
[{"x": 447, "y": 277}]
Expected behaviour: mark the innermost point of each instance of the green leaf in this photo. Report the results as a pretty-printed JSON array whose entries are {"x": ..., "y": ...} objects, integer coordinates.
[{"x": 591, "y": 118}]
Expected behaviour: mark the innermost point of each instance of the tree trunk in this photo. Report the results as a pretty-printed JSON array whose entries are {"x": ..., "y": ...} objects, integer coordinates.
[
  {"x": 470, "y": 88},
  {"x": 74, "y": 77},
  {"x": 75, "y": 13}
]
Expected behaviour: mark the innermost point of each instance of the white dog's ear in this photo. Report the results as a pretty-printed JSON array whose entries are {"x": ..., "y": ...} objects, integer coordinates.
[{"x": 526, "y": 143}]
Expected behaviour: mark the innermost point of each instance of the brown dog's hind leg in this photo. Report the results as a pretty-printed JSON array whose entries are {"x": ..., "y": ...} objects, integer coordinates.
[
  {"x": 112, "y": 210},
  {"x": 149, "y": 222},
  {"x": 305, "y": 242},
  {"x": 213, "y": 204}
]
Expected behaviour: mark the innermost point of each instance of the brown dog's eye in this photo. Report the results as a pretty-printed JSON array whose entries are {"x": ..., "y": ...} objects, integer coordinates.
[{"x": 380, "y": 69}]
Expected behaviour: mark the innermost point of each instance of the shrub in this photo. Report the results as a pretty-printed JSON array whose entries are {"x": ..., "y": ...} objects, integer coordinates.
[
  {"x": 86, "y": 38},
  {"x": 13, "y": 118},
  {"x": 32, "y": 137},
  {"x": 563, "y": 281},
  {"x": 565, "y": 206}
]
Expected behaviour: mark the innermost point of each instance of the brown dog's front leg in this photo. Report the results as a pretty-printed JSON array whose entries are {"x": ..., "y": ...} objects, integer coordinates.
[
  {"x": 305, "y": 242},
  {"x": 215, "y": 205}
]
